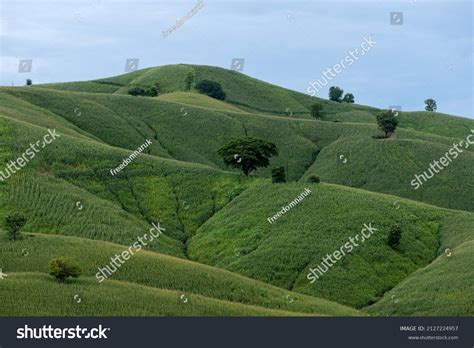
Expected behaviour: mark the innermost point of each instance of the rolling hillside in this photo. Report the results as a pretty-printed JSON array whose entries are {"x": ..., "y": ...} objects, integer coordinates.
[{"x": 214, "y": 215}]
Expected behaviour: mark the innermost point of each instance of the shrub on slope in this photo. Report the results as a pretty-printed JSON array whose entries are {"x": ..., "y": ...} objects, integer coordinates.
[
  {"x": 282, "y": 252},
  {"x": 30, "y": 294},
  {"x": 157, "y": 271}
]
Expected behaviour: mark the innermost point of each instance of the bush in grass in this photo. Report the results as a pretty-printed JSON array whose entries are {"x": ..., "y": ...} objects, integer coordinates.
[
  {"x": 212, "y": 89},
  {"x": 316, "y": 110},
  {"x": 348, "y": 98},
  {"x": 248, "y": 153},
  {"x": 62, "y": 268},
  {"x": 394, "y": 237},
  {"x": 151, "y": 92},
  {"x": 29, "y": 82},
  {"x": 144, "y": 91},
  {"x": 314, "y": 179},
  {"x": 278, "y": 175},
  {"x": 136, "y": 91},
  {"x": 14, "y": 223}
]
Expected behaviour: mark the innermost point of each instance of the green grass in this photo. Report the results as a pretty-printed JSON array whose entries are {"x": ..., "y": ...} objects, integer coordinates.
[
  {"x": 437, "y": 123},
  {"x": 31, "y": 294},
  {"x": 198, "y": 100},
  {"x": 443, "y": 288},
  {"x": 390, "y": 166},
  {"x": 118, "y": 208},
  {"x": 215, "y": 215},
  {"x": 158, "y": 271},
  {"x": 240, "y": 239}
]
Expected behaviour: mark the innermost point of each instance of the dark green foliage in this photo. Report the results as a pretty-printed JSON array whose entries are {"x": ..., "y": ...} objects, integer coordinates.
[
  {"x": 188, "y": 81},
  {"x": 387, "y": 122},
  {"x": 14, "y": 223},
  {"x": 314, "y": 179},
  {"x": 211, "y": 88},
  {"x": 316, "y": 110},
  {"x": 29, "y": 82},
  {"x": 394, "y": 237},
  {"x": 62, "y": 268},
  {"x": 144, "y": 91},
  {"x": 248, "y": 153},
  {"x": 348, "y": 98},
  {"x": 136, "y": 91},
  {"x": 430, "y": 105},
  {"x": 151, "y": 92},
  {"x": 278, "y": 175},
  {"x": 335, "y": 94}
]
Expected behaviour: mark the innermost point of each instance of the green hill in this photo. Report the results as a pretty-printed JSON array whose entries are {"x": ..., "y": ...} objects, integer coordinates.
[
  {"x": 282, "y": 252},
  {"x": 215, "y": 215},
  {"x": 197, "y": 100},
  {"x": 155, "y": 271},
  {"x": 31, "y": 294}
]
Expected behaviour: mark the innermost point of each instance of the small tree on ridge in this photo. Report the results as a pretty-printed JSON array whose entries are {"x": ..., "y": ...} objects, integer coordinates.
[
  {"x": 430, "y": 105},
  {"x": 335, "y": 94}
]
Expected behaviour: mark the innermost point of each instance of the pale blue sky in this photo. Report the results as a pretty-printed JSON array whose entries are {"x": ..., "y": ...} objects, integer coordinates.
[{"x": 288, "y": 43}]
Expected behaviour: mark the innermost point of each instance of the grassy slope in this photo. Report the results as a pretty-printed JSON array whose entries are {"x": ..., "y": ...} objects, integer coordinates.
[
  {"x": 390, "y": 166},
  {"x": 240, "y": 238},
  {"x": 158, "y": 271},
  {"x": 181, "y": 196},
  {"x": 126, "y": 121},
  {"x": 444, "y": 287},
  {"x": 261, "y": 96},
  {"x": 121, "y": 209},
  {"x": 198, "y": 100},
  {"x": 32, "y": 294}
]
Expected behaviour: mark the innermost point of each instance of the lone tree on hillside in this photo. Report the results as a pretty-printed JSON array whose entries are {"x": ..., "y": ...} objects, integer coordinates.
[
  {"x": 316, "y": 110},
  {"x": 430, "y": 105},
  {"x": 278, "y": 175},
  {"x": 212, "y": 89},
  {"x": 248, "y": 153},
  {"x": 387, "y": 122},
  {"x": 62, "y": 268},
  {"x": 29, "y": 82},
  {"x": 348, "y": 98},
  {"x": 14, "y": 223},
  {"x": 394, "y": 237},
  {"x": 188, "y": 81},
  {"x": 335, "y": 94}
]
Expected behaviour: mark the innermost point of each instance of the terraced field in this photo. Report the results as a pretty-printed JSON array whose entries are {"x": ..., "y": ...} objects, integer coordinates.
[{"x": 218, "y": 250}]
